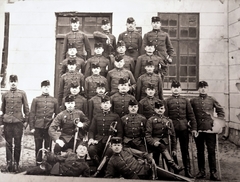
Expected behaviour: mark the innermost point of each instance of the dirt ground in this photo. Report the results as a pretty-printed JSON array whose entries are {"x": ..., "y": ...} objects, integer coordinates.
[{"x": 229, "y": 157}]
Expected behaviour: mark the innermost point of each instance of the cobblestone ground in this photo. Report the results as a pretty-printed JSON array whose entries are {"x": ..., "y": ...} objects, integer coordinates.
[{"x": 229, "y": 157}]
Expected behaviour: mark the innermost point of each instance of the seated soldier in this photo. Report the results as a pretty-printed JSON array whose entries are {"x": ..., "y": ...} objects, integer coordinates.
[
  {"x": 126, "y": 163},
  {"x": 69, "y": 164}
]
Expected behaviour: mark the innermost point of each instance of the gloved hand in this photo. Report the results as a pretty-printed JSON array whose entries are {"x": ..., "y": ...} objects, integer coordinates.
[
  {"x": 80, "y": 124},
  {"x": 194, "y": 133},
  {"x": 60, "y": 142},
  {"x": 92, "y": 142},
  {"x": 32, "y": 130},
  {"x": 156, "y": 143}
]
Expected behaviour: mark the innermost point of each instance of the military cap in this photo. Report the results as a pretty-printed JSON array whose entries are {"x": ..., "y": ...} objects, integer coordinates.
[
  {"x": 116, "y": 140},
  {"x": 74, "y": 85},
  {"x": 95, "y": 65},
  {"x": 13, "y": 78},
  {"x": 71, "y": 61},
  {"x": 130, "y": 20},
  {"x": 151, "y": 86},
  {"x": 105, "y": 98},
  {"x": 71, "y": 45},
  {"x": 74, "y": 19},
  {"x": 120, "y": 43},
  {"x": 101, "y": 84},
  {"x": 122, "y": 81},
  {"x": 149, "y": 63},
  {"x": 158, "y": 104},
  {"x": 175, "y": 84},
  {"x": 155, "y": 19},
  {"x": 98, "y": 44},
  {"x": 202, "y": 84},
  {"x": 149, "y": 43},
  {"x": 69, "y": 98},
  {"x": 105, "y": 21},
  {"x": 45, "y": 83},
  {"x": 118, "y": 57},
  {"x": 132, "y": 102}
]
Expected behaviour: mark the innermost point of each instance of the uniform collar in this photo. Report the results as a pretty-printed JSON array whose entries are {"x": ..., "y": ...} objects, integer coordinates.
[
  {"x": 13, "y": 89},
  {"x": 203, "y": 95},
  {"x": 45, "y": 94},
  {"x": 156, "y": 30},
  {"x": 106, "y": 112},
  {"x": 176, "y": 96}
]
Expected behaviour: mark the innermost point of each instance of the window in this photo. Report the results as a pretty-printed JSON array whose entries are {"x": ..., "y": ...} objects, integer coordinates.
[{"x": 183, "y": 29}]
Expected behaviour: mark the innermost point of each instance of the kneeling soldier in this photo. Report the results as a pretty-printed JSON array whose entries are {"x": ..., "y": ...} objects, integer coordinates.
[
  {"x": 68, "y": 121},
  {"x": 157, "y": 131}
]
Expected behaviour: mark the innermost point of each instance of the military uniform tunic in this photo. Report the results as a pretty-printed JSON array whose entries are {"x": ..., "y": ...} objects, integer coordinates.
[
  {"x": 129, "y": 63},
  {"x": 147, "y": 105},
  {"x": 133, "y": 41},
  {"x": 79, "y": 62}
]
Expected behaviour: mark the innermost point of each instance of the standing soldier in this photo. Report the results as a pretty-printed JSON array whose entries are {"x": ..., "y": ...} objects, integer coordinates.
[
  {"x": 129, "y": 61},
  {"x": 71, "y": 76},
  {"x": 118, "y": 72},
  {"x": 106, "y": 38},
  {"x": 181, "y": 113},
  {"x": 134, "y": 125},
  {"x": 12, "y": 119},
  {"x": 202, "y": 106},
  {"x": 91, "y": 81},
  {"x": 132, "y": 38},
  {"x": 100, "y": 130},
  {"x": 99, "y": 59},
  {"x": 145, "y": 79},
  {"x": 161, "y": 41},
  {"x": 43, "y": 109},
  {"x": 94, "y": 104},
  {"x": 72, "y": 51},
  {"x": 80, "y": 101},
  {"x": 121, "y": 99},
  {"x": 146, "y": 105},
  {"x": 148, "y": 56},
  {"x": 79, "y": 38},
  {"x": 157, "y": 131},
  {"x": 69, "y": 121}
]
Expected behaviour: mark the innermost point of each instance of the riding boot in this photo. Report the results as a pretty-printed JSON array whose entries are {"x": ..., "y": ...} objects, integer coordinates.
[
  {"x": 201, "y": 174},
  {"x": 16, "y": 167},
  {"x": 171, "y": 162},
  {"x": 9, "y": 167},
  {"x": 188, "y": 169},
  {"x": 213, "y": 176},
  {"x": 96, "y": 160}
]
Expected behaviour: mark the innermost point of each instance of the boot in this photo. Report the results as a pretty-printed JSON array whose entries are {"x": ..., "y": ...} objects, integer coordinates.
[
  {"x": 213, "y": 176},
  {"x": 171, "y": 162},
  {"x": 16, "y": 167},
  {"x": 201, "y": 174},
  {"x": 9, "y": 167},
  {"x": 188, "y": 173},
  {"x": 96, "y": 160}
]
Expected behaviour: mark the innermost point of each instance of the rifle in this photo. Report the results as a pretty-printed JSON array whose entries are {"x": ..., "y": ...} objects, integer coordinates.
[{"x": 76, "y": 121}]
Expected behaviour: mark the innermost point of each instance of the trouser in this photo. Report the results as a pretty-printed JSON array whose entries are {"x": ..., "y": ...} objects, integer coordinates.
[
  {"x": 68, "y": 145},
  {"x": 157, "y": 150},
  {"x": 183, "y": 137},
  {"x": 13, "y": 131},
  {"x": 41, "y": 135},
  {"x": 210, "y": 140}
]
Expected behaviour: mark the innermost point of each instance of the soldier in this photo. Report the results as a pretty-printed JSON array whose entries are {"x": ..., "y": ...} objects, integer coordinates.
[
  {"x": 68, "y": 121},
  {"x": 148, "y": 56},
  {"x": 94, "y": 104},
  {"x": 181, "y": 113},
  {"x": 106, "y": 38},
  {"x": 43, "y": 109},
  {"x": 132, "y": 38},
  {"x": 134, "y": 125},
  {"x": 91, "y": 81},
  {"x": 146, "y": 105},
  {"x": 118, "y": 72},
  {"x": 129, "y": 61},
  {"x": 121, "y": 99},
  {"x": 104, "y": 124},
  {"x": 161, "y": 41},
  {"x": 202, "y": 106},
  {"x": 103, "y": 62},
  {"x": 80, "y": 101},
  {"x": 13, "y": 121},
  {"x": 157, "y": 130},
  {"x": 127, "y": 162},
  {"x": 149, "y": 77},
  {"x": 79, "y": 38},
  {"x": 67, "y": 78},
  {"x": 69, "y": 164},
  {"x": 72, "y": 51}
]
